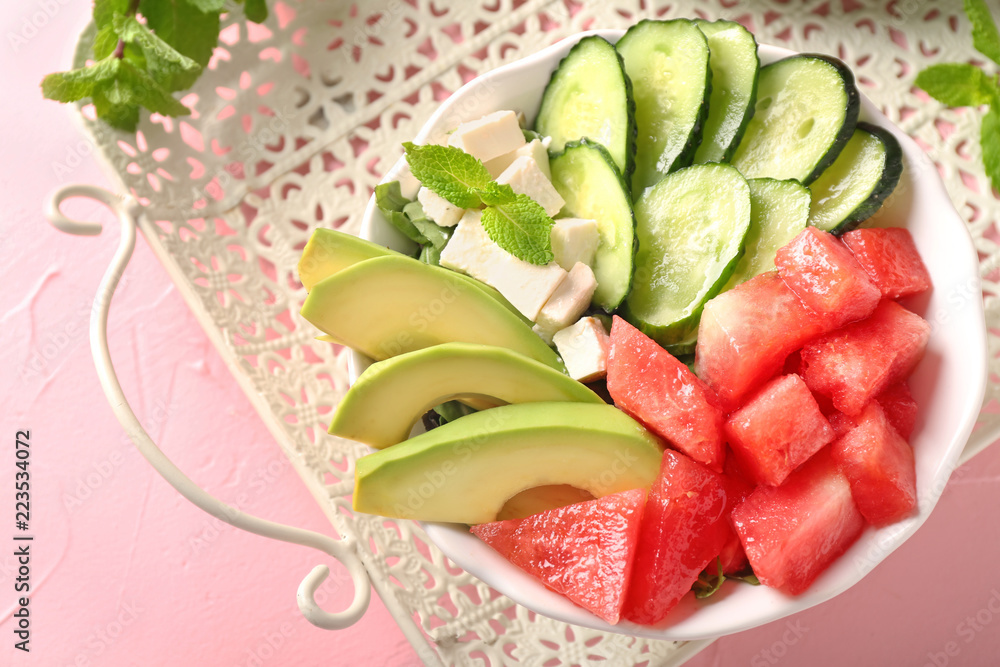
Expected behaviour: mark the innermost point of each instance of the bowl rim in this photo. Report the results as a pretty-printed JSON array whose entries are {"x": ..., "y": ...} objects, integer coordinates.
[{"x": 476, "y": 558}]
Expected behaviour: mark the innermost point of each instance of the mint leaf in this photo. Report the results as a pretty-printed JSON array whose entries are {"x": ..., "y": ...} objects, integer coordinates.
[
  {"x": 989, "y": 139},
  {"x": 496, "y": 194},
  {"x": 522, "y": 228},
  {"x": 256, "y": 10},
  {"x": 105, "y": 42},
  {"x": 162, "y": 60},
  {"x": 189, "y": 30},
  {"x": 78, "y": 83},
  {"x": 209, "y": 6},
  {"x": 958, "y": 85},
  {"x": 134, "y": 86},
  {"x": 985, "y": 37},
  {"x": 123, "y": 116},
  {"x": 105, "y": 11},
  {"x": 449, "y": 172}
]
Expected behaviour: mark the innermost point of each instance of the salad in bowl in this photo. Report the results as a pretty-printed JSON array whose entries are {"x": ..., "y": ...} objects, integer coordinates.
[{"x": 658, "y": 331}]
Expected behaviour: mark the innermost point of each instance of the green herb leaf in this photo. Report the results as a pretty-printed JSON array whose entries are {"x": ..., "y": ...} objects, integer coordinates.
[
  {"x": 120, "y": 116},
  {"x": 78, "y": 83},
  {"x": 436, "y": 235},
  {"x": 958, "y": 85},
  {"x": 209, "y": 6},
  {"x": 496, "y": 194},
  {"x": 522, "y": 228},
  {"x": 255, "y": 10},
  {"x": 985, "y": 37},
  {"x": 106, "y": 10},
  {"x": 449, "y": 172},
  {"x": 185, "y": 27},
  {"x": 989, "y": 139},
  {"x": 162, "y": 60},
  {"x": 709, "y": 581},
  {"x": 391, "y": 201},
  {"x": 105, "y": 41}
]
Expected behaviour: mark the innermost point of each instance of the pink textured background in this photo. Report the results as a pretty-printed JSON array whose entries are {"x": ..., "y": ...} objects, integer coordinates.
[{"x": 125, "y": 572}]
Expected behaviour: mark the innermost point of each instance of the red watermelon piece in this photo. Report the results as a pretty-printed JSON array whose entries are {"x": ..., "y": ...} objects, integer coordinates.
[
  {"x": 891, "y": 258},
  {"x": 583, "y": 551},
  {"x": 791, "y": 533},
  {"x": 856, "y": 363},
  {"x": 824, "y": 274},
  {"x": 733, "y": 558},
  {"x": 879, "y": 465},
  {"x": 683, "y": 528},
  {"x": 900, "y": 408},
  {"x": 747, "y": 332},
  {"x": 777, "y": 430},
  {"x": 651, "y": 385},
  {"x": 841, "y": 423}
]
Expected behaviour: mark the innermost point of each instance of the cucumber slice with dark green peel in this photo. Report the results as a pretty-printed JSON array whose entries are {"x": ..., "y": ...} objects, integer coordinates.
[
  {"x": 735, "y": 67},
  {"x": 807, "y": 109},
  {"x": 590, "y": 96},
  {"x": 668, "y": 64},
  {"x": 691, "y": 228},
  {"x": 587, "y": 179},
  {"x": 855, "y": 186},
  {"x": 779, "y": 210}
]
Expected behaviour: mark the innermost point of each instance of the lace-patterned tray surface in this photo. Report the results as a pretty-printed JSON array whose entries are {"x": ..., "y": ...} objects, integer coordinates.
[{"x": 295, "y": 122}]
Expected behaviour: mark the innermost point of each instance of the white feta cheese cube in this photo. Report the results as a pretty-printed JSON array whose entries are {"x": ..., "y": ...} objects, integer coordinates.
[
  {"x": 408, "y": 183},
  {"x": 584, "y": 349},
  {"x": 569, "y": 301},
  {"x": 525, "y": 177},
  {"x": 534, "y": 149},
  {"x": 489, "y": 137},
  {"x": 574, "y": 240},
  {"x": 471, "y": 251},
  {"x": 439, "y": 209}
]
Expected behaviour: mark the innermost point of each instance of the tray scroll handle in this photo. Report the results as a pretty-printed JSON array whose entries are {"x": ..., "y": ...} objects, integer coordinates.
[{"x": 127, "y": 209}]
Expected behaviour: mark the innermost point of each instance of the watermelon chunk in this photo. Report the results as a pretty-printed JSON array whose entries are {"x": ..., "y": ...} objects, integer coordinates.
[
  {"x": 900, "y": 408},
  {"x": 583, "y": 551},
  {"x": 824, "y": 274},
  {"x": 855, "y": 364},
  {"x": 746, "y": 333},
  {"x": 891, "y": 258},
  {"x": 683, "y": 528},
  {"x": 879, "y": 465},
  {"x": 733, "y": 558},
  {"x": 792, "y": 532},
  {"x": 777, "y": 430},
  {"x": 652, "y": 386}
]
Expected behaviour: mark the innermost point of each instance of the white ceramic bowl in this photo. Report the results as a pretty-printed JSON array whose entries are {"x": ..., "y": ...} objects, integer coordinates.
[{"x": 948, "y": 385}]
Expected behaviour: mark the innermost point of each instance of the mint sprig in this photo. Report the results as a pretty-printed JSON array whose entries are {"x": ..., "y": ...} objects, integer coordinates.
[
  {"x": 141, "y": 63},
  {"x": 515, "y": 222},
  {"x": 965, "y": 85}
]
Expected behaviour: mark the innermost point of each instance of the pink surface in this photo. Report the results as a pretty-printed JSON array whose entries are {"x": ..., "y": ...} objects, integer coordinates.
[{"x": 126, "y": 572}]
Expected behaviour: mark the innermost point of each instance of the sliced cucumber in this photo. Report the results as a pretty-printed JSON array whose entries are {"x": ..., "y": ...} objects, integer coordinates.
[
  {"x": 691, "y": 228},
  {"x": 854, "y": 187},
  {"x": 590, "y": 96},
  {"x": 779, "y": 210},
  {"x": 667, "y": 62},
  {"x": 735, "y": 67},
  {"x": 807, "y": 108},
  {"x": 586, "y": 177}
]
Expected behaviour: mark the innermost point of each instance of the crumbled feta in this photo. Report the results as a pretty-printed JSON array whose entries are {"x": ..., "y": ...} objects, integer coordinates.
[
  {"x": 534, "y": 149},
  {"x": 525, "y": 177},
  {"x": 574, "y": 240},
  {"x": 439, "y": 209},
  {"x": 489, "y": 137},
  {"x": 569, "y": 301},
  {"x": 471, "y": 251},
  {"x": 584, "y": 349}
]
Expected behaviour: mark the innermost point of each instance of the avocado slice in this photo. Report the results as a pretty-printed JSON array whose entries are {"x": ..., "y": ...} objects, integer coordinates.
[
  {"x": 465, "y": 471},
  {"x": 386, "y": 306},
  {"x": 329, "y": 251},
  {"x": 390, "y": 396}
]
